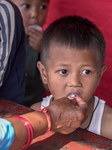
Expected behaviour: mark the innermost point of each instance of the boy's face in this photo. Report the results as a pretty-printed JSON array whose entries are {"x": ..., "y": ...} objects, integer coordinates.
[
  {"x": 70, "y": 71},
  {"x": 33, "y": 12}
]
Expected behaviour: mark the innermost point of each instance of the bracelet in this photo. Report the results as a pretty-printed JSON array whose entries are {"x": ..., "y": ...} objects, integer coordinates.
[
  {"x": 29, "y": 130},
  {"x": 44, "y": 110}
]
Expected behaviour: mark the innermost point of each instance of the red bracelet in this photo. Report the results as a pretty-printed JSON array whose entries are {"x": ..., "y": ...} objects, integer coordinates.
[
  {"x": 29, "y": 129},
  {"x": 44, "y": 110}
]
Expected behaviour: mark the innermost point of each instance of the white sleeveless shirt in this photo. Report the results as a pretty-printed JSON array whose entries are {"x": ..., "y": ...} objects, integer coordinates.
[
  {"x": 46, "y": 101},
  {"x": 95, "y": 125}
]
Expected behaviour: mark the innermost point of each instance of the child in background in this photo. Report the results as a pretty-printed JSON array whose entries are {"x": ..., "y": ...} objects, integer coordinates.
[
  {"x": 72, "y": 64},
  {"x": 34, "y": 13}
]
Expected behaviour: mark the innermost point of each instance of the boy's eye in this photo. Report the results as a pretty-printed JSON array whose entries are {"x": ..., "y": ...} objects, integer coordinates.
[
  {"x": 63, "y": 71},
  {"x": 25, "y": 6},
  {"x": 86, "y": 72},
  {"x": 43, "y": 6}
]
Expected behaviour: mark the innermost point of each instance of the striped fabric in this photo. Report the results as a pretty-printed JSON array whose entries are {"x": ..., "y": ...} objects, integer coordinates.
[
  {"x": 7, "y": 27},
  {"x": 6, "y": 134},
  {"x": 12, "y": 52}
]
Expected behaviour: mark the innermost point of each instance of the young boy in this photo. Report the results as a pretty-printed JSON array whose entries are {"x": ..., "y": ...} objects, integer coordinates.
[
  {"x": 34, "y": 13},
  {"x": 72, "y": 64}
]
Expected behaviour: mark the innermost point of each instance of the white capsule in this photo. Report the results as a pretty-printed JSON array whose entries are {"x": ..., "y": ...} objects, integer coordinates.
[
  {"x": 37, "y": 27},
  {"x": 73, "y": 95}
]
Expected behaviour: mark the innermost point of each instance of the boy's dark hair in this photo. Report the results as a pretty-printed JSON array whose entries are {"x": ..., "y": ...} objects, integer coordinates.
[{"x": 75, "y": 32}]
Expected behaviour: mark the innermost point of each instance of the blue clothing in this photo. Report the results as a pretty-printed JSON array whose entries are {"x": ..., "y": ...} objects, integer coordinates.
[
  {"x": 6, "y": 134},
  {"x": 12, "y": 53}
]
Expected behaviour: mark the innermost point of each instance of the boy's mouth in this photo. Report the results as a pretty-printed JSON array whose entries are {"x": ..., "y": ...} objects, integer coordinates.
[{"x": 72, "y": 96}]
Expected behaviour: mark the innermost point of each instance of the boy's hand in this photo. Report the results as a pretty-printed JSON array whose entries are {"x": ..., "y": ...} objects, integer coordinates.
[
  {"x": 35, "y": 38},
  {"x": 67, "y": 115}
]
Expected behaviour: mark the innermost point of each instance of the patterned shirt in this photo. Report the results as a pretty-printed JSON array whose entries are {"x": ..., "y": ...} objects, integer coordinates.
[
  {"x": 6, "y": 134},
  {"x": 6, "y": 35},
  {"x": 12, "y": 52}
]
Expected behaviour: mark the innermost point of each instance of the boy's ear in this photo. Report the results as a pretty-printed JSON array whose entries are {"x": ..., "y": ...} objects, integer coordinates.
[
  {"x": 42, "y": 70},
  {"x": 103, "y": 69}
]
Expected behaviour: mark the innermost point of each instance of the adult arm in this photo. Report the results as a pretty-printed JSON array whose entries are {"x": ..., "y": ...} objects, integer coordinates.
[{"x": 66, "y": 116}]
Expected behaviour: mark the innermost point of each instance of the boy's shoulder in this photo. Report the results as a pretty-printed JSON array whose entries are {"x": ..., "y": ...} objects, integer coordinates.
[
  {"x": 106, "y": 129},
  {"x": 36, "y": 106},
  {"x": 107, "y": 113}
]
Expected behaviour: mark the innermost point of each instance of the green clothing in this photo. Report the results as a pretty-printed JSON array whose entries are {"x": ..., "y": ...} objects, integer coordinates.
[{"x": 34, "y": 91}]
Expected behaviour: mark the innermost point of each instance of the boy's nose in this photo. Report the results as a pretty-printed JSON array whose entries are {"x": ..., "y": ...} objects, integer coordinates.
[
  {"x": 74, "y": 81},
  {"x": 35, "y": 13}
]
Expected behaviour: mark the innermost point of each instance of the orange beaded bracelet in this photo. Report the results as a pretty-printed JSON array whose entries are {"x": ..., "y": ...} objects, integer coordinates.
[{"x": 44, "y": 110}]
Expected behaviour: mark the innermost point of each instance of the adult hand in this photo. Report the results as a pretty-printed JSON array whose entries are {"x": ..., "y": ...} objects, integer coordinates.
[{"x": 67, "y": 115}]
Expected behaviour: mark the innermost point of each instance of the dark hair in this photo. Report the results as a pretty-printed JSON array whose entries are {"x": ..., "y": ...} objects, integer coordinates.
[{"x": 75, "y": 32}]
